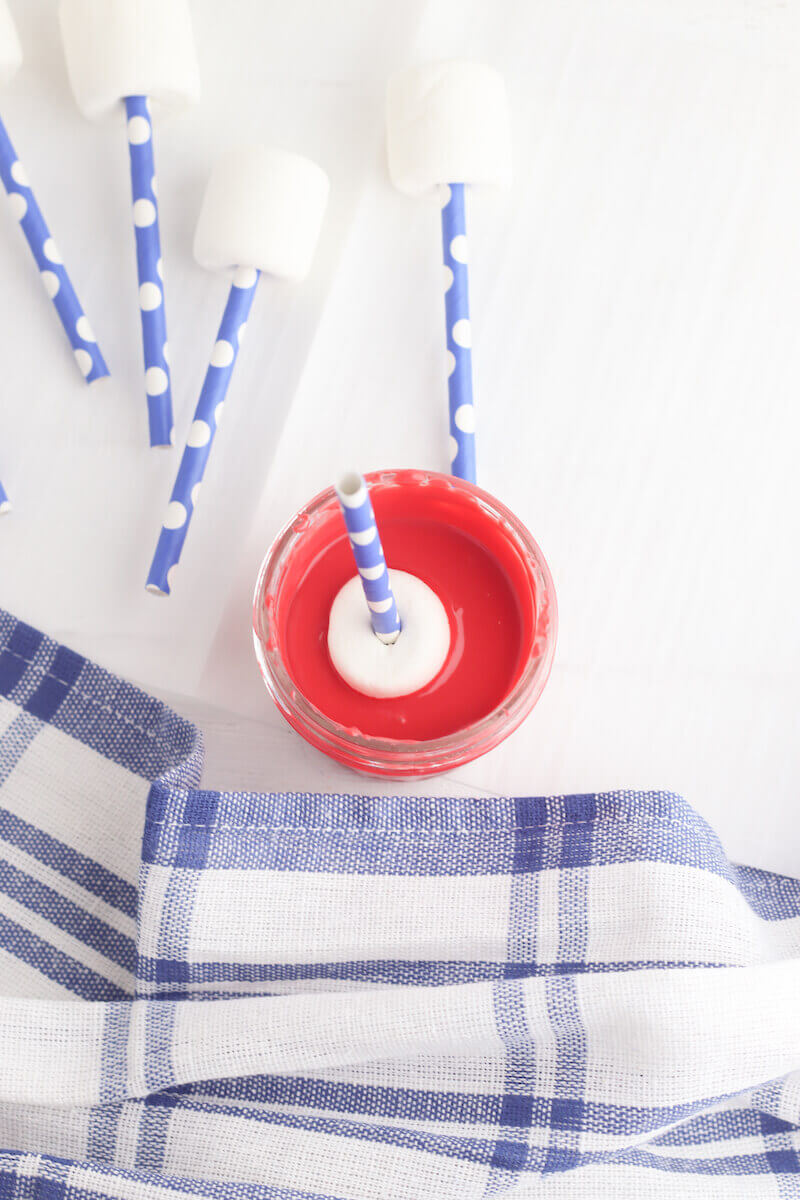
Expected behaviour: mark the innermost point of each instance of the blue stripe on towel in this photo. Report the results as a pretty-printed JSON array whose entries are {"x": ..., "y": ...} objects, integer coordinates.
[{"x": 515, "y": 915}]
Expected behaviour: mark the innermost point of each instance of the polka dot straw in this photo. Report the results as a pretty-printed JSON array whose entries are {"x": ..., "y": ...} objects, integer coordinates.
[
  {"x": 201, "y": 432},
  {"x": 54, "y": 275},
  {"x": 459, "y": 341},
  {"x": 157, "y": 380},
  {"x": 365, "y": 543},
  {"x": 5, "y": 503}
]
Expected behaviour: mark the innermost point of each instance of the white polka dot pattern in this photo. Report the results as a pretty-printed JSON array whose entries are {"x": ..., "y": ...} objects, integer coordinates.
[
  {"x": 459, "y": 249},
  {"x": 462, "y": 333},
  {"x": 201, "y": 434},
  {"x": 459, "y": 336},
  {"x": 51, "y": 284},
  {"x": 48, "y": 259},
  {"x": 144, "y": 214},
  {"x": 139, "y": 130},
  {"x": 52, "y": 252},
  {"x": 150, "y": 297},
  {"x": 156, "y": 381},
  {"x": 464, "y": 418},
  {"x": 84, "y": 361},
  {"x": 175, "y": 516},
  {"x": 84, "y": 330},
  {"x": 222, "y": 354},
  {"x": 158, "y": 384}
]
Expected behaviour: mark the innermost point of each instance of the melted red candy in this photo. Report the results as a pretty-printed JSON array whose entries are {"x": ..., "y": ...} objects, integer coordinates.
[{"x": 466, "y": 555}]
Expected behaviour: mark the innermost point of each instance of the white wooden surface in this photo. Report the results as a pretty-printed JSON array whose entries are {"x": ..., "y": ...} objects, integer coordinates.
[{"x": 636, "y": 300}]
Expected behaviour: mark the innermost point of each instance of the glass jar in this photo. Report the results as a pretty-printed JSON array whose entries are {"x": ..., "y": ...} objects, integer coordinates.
[{"x": 489, "y": 528}]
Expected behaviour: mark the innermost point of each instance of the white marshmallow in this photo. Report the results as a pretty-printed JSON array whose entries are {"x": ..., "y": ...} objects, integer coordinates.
[
  {"x": 262, "y": 208},
  {"x": 119, "y": 48},
  {"x": 368, "y": 664},
  {"x": 10, "y": 49},
  {"x": 447, "y": 122}
]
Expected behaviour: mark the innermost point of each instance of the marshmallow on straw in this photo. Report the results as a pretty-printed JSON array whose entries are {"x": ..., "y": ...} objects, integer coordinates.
[
  {"x": 131, "y": 52},
  {"x": 24, "y": 207},
  {"x": 368, "y": 552},
  {"x": 262, "y": 211},
  {"x": 447, "y": 126}
]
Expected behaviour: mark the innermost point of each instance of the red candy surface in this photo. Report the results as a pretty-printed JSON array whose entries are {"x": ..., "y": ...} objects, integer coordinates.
[{"x": 466, "y": 556}]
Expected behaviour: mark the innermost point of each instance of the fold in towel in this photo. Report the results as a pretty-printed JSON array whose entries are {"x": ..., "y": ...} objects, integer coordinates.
[{"x": 324, "y": 997}]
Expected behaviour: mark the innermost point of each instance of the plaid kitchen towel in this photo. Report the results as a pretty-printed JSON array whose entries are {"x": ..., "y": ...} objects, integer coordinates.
[{"x": 300, "y": 997}]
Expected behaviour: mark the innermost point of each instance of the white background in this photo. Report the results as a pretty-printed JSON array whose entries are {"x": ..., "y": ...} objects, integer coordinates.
[{"x": 636, "y": 306}]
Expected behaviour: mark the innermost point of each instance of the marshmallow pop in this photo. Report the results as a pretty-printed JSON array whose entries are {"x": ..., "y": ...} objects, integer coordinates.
[
  {"x": 132, "y": 53},
  {"x": 262, "y": 211},
  {"x": 448, "y": 126},
  {"x": 24, "y": 207}
]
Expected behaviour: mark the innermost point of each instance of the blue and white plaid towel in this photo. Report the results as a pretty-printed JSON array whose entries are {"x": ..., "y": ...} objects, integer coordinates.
[{"x": 297, "y": 997}]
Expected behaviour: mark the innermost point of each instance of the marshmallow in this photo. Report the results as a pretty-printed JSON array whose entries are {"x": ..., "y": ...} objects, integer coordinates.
[
  {"x": 448, "y": 122},
  {"x": 262, "y": 208},
  {"x": 119, "y": 48},
  {"x": 10, "y": 49},
  {"x": 371, "y": 666}
]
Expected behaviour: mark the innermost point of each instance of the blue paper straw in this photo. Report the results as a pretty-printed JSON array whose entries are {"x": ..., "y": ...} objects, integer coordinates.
[
  {"x": 201, "y": 432},
  {"x": 459, "y": 339},
  {"x": 368, "y": 552},
  {"x": 56, "y": 281},
  {"x": 5, "y": 503},
  {"x": 158, "y": 384}
]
